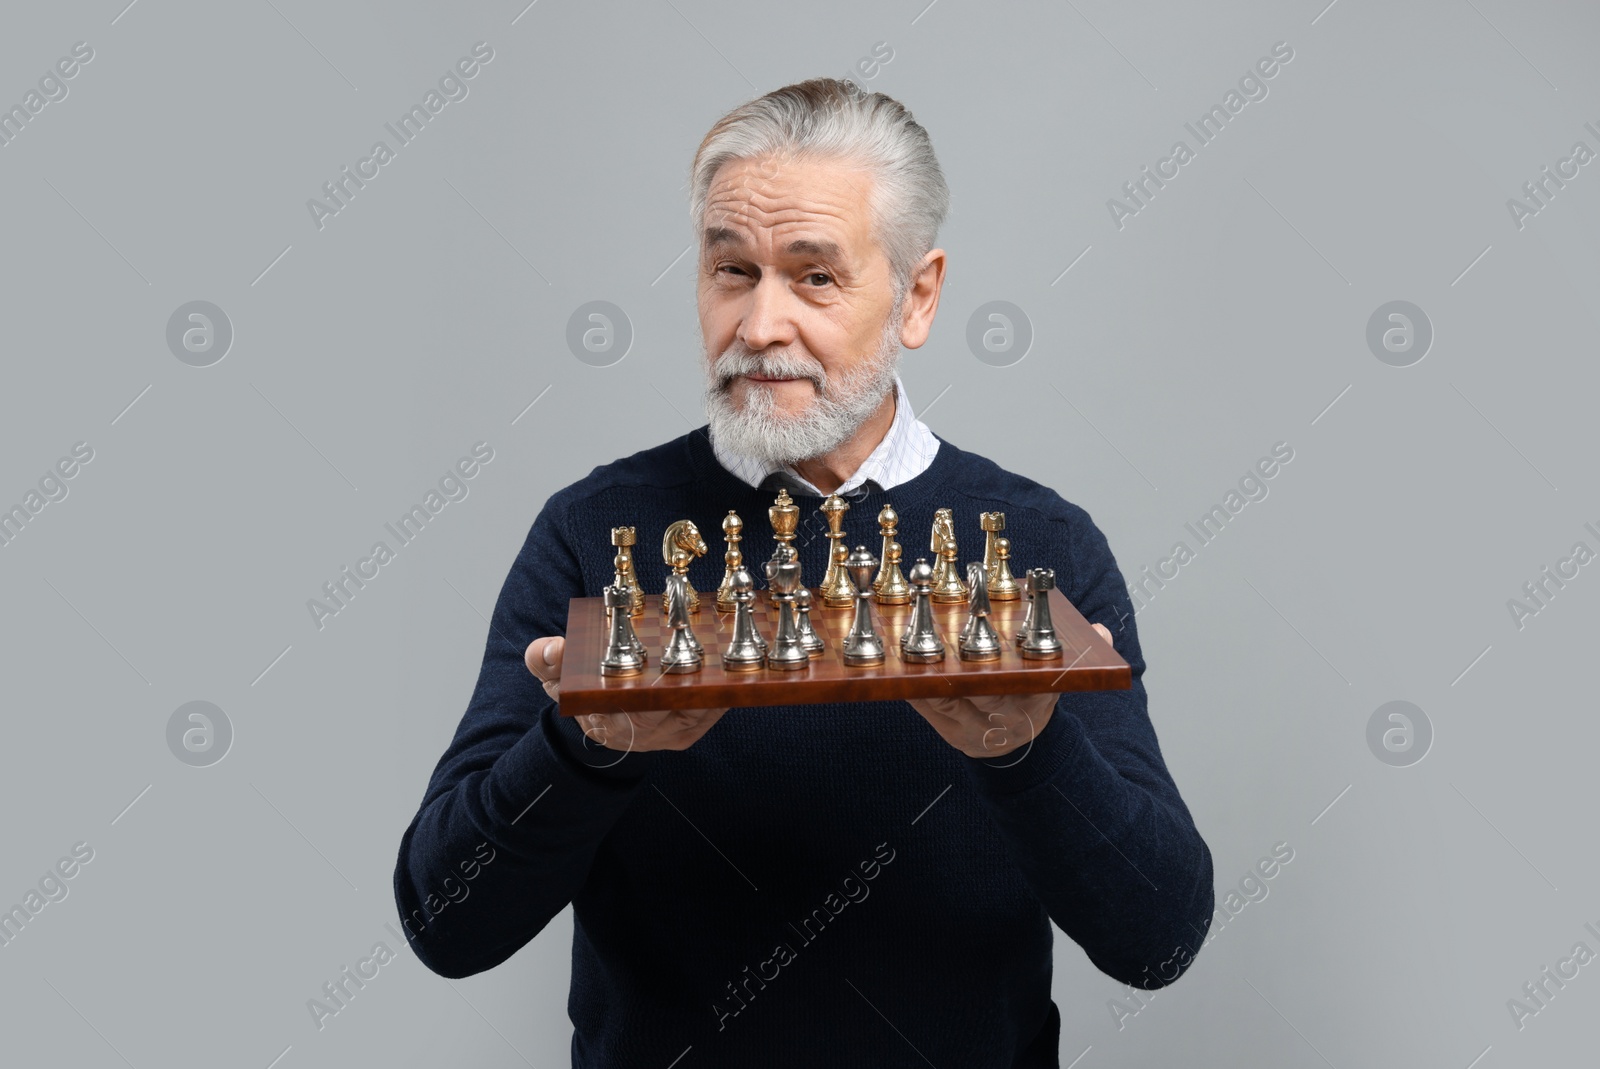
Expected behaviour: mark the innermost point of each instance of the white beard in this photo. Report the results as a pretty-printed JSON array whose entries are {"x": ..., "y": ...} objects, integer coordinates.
[{"x": 843, "y": 402}]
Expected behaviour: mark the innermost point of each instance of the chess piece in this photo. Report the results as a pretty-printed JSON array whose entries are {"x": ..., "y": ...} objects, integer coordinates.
[
  {"x": 624, "y": 538},
  {"x": 1039, "y": 640},
  {"x": 921, "y": 642},
  {"x": 896, "y": 591},
  {"x": 685, "y": 536},
  {"x": 623, "y": 655},
  {"x": 682, "y": 653},
  {"x": 837, "y": 592},
  {"x": 947, "y": 585},
  {"x": 890, "y": 588},
  {"x": 978, "y": 640},
  {"x": 1027, "y": 619},
  {"x": 628, "y": 583},
  {"x": 680, "y": 576},
  {"x": 784, "y": 516},
  {"x": 1002, "y": 585},
  {"x": 948, "y": 589},
  {"x": 783, "y": 579},
  {"x": 745, "y": 651},
  {"x": 863, "y": 645},
  {"x": 802, "y": 611},
  {"x": 732, "y": 529}
]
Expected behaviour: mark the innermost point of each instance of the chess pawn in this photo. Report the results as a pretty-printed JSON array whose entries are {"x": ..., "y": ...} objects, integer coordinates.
[
  {"x": 837, "y": 592},
  {"x": 682, "y": 653},
  {"x": 783, "y": 579},
  {"x": 890, "y": 588},
  {"x": 921, "y": 642},
  {"x": 948, "y": 589},
  {"x": 863, "y": 646},
  {"x": 732, "y": 531},
  {"x": 623, "y": 656},
  {"x": 978, "y": 640},
  {"x": 802, "y": 611},
  {"x": 1039, "y": 639},
  {"x": 624, "y": 538},
  {"x": 1003, "y": 586},
  {"x": 745, "y": 651}
]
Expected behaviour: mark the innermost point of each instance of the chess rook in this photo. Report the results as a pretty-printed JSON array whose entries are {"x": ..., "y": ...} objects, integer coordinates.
[
  {"x": 624, "y": 538},
  {"x": 1039, "y": 639},
  {"x": 996, "y": 556},
  {"x": 623, "y": 650}
]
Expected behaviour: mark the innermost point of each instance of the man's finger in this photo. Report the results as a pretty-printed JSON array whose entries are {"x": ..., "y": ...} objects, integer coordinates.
[
  {"x": 1104, "y": 633},
  {"x": 543, "y": 658}
]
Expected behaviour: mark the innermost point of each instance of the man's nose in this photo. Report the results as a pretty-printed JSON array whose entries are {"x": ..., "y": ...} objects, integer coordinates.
[{"x": 769, "y": 320}]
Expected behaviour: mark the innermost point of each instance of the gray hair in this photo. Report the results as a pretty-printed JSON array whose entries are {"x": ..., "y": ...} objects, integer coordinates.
[{"x": 831, "y": 118}]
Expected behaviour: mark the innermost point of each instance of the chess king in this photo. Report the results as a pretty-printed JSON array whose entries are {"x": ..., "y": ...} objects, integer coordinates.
[{"x": 815, "y": 211}]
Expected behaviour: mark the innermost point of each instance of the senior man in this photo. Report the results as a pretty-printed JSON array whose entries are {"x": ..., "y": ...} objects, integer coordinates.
[{"x": 854, "y": 884}]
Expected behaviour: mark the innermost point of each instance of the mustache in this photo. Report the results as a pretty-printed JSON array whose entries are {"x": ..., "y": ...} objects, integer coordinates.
[{"x": 734, "y": 362}]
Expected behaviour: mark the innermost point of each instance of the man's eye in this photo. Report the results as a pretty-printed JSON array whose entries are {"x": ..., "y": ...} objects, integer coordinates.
[{"x": 815, "y": 275}]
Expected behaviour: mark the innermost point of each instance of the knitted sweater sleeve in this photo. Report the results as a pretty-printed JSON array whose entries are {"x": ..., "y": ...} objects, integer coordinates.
[
  {"x": 519, "y": 803},
  {"x": 1092, "y": 816}
]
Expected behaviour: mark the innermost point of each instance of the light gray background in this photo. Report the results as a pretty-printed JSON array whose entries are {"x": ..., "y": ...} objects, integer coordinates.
[{"x": 1228, "y": 315}]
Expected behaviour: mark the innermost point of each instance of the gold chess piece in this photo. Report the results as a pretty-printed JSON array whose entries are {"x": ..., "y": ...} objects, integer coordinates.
[
  {"x": 624, "y": 538},
  {"x": 948, "y": 586},
  {"x": 732, "y": 532},
  {"x": 890, "y": 588},
  {"x": 837, "y": 591},
  {"x": 895, "y": 590},
  {"x": 784, "y": 515},
  {"x": 1003, "y": 586},
  {"x": 682, "y": 536}
]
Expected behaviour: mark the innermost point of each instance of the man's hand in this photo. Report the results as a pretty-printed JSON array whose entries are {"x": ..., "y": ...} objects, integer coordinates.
[
  {"x": 666, "y": 729},
  {"x": 991, "y": 725}
]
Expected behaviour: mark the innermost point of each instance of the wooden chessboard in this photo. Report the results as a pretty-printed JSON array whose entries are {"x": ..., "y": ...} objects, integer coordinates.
[{"x": 1086, "y": 663}]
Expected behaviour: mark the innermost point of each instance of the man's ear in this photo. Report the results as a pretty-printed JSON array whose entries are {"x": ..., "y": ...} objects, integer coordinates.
[{"x": 922, "y": 300}]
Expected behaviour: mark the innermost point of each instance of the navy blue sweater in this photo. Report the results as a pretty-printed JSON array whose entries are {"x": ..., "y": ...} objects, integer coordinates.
[{"x": 805, "y": 885}]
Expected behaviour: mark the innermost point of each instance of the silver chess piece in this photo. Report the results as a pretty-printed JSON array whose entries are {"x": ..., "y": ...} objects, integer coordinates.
[
  {"x": 863, "y": 645},
  {"x": 1039, "y": 640},
  {"x": 682, "y": 653},
  {"x": 802, "y": 622},
  {"x": 622, "y": 656},
  {"x": 1027, "y": 615},
  {"x": 978, "y": 639},
  {"x": 745, "y": 651},
  {"x": 787, "y": 652},
  {"x": 921, "y": 643}
]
